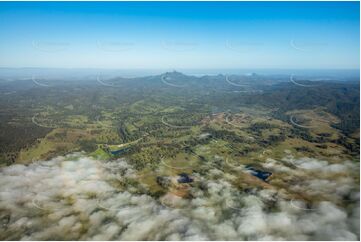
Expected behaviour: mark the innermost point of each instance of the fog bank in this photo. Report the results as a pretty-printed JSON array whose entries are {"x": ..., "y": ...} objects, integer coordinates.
[{"x": 79, "y": 198}]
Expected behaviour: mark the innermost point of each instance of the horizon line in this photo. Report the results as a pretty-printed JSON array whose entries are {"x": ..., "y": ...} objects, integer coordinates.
[{"x": 187, "y": 68}]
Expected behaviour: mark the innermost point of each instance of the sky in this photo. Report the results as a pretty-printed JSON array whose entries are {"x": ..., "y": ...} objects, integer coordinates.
[{"x": 172, "y": 35}]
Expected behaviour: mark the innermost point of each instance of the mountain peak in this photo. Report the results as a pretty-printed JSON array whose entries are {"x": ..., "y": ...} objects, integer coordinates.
[{"x": 174, "y": 72}]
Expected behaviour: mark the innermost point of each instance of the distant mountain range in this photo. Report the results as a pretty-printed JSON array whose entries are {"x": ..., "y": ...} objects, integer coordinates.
[{"x": 89, "y": 73}]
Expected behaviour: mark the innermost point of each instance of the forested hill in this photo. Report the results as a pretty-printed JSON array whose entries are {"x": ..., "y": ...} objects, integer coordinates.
[{"x": 340, "y": 99}]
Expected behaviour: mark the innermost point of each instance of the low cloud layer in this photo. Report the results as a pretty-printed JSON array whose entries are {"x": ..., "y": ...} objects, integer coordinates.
[{"x": 79, "y": 198}]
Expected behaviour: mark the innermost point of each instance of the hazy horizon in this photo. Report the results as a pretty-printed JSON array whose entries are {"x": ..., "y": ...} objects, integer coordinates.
[{"x": 337, "y": 73}]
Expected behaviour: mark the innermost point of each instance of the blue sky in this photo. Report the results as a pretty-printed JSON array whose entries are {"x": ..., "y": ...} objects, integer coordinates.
[{"x": 161, "y": 35}]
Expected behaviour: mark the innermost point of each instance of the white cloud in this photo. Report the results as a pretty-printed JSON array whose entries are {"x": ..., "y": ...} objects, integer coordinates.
[{"x": 79, "y": 198}]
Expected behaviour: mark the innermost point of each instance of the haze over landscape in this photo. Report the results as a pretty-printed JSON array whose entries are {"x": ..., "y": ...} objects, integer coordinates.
[{"x": 179, "y": 121}]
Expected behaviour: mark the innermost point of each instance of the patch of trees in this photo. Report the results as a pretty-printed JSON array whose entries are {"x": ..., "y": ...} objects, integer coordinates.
[
  {"x": 302, "y": 133},
  {"x": 13, "y": 138},
  {"x": 256, "y": 127},
  {"x": 164, "y": 182},
  {"x": 225, "y": 135},
  {"x": 303, "y": 149},
  {"x": 321, "y": 146},
  {"x": 151, "y": 156},
  {"x": 353, "y": 147},
  {"x": 87, "y": 145}
]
